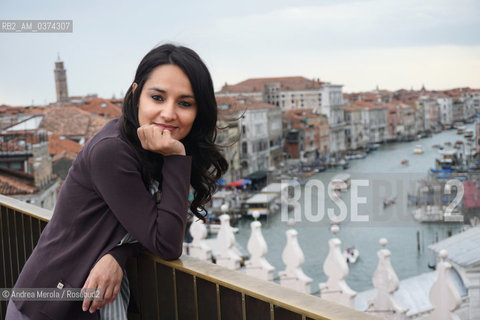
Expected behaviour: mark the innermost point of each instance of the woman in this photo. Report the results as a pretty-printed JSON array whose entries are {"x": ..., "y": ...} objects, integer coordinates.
[{"x": 105, "y": 213}]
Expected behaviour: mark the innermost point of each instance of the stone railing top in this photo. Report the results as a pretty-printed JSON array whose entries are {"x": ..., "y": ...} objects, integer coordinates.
[
  {"x": 26, "y": 208},
  {"x": 312, "y": 306}
]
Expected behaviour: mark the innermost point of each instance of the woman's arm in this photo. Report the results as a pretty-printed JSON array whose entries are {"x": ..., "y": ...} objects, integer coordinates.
[
  {"x": 106, "y": 276},
  {"x": 125, "y": 251},
  {"x": 115, "y": 173}
]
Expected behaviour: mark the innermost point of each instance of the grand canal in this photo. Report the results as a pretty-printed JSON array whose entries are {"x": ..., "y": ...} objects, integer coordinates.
[{"x": 386, "y": 178}]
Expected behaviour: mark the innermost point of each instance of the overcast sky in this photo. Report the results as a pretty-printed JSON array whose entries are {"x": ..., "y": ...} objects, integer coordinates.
[{"x": 360, "y": 44}]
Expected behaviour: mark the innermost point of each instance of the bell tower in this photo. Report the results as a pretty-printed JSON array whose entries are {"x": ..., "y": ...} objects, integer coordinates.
[{"x": 61, "y": 82}]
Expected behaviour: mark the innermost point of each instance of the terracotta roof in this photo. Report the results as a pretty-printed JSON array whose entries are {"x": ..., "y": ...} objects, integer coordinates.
[
  {"x": 303, "y": 113},
  {"x": 117, "y": 101},
  {"x": 441, "y": 95},
  {"x": 64, "y": 155},
  {"x": 102, "y": 107},
  {"x": 96, "y": 123},
  {"x": 66, "y": 121},
  {"x": 58, "y": 144},
  {"x": 71, "y": 121},
  {"x": 240, "y": 104},
  {"x": 260, "y": 105},
  {"x": 363, "y": 105},
  {"x": 391, "y": 106},
  {"x": 286, "y": 84},
  {"x": 13, "y": 184}
]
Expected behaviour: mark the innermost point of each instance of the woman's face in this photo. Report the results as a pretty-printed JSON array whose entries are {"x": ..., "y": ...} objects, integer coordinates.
[{"x": 167, "y": 101}]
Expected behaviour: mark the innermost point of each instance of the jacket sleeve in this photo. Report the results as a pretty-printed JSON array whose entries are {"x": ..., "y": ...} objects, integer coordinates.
[
  {"x": 115, "y": 173},
  {"x": 125, "y": 251}
]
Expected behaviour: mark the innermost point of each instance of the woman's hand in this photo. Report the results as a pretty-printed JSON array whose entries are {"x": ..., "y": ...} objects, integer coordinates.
[
  {"x": 107, "y": 276},
  {"x": 158, "y": 140}
]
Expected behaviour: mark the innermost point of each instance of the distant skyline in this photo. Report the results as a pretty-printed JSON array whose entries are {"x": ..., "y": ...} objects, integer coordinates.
[{"x": 362, "y": 44}]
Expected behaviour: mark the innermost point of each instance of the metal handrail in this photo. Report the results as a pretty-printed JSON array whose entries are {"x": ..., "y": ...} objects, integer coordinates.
[
  {"x": 270, "y": 294},
  {"x": 301, "y": 303}
]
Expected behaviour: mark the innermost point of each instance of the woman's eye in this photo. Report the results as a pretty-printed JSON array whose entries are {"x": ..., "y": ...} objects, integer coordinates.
[
  {"x": 157, "y": 97},
  {"x": 185, "y": 103}
]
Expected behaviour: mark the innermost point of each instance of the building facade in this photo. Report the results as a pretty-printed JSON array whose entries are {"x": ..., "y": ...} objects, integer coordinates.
[
  {"x": 290, "y": 93},
  {"x": 26, "y": 168},
  {"x": 446, "y": 111},
  {"x": 259, "y": 142},
  {"x": 307, "y": 138}
]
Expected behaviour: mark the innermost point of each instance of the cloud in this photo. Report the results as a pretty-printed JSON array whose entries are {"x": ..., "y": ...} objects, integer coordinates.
[
  {"x": 351, "y": 42},
  {"x": 373, "y": 23}
]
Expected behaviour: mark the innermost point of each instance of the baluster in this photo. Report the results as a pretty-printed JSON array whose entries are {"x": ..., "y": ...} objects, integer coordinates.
[
  {"x": 385, "y": 280},
  {"x": 444, "y": 295},
  {"x": 257, "y": 265},
  {"x": 336, "y": 268},
  {"x": 293, "y": 276},
  {"x": 227, "y": 257},
  {"x": 198, "y": 248}
]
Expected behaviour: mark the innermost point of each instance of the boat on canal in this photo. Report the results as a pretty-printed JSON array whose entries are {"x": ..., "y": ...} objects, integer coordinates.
[
  {"x": 351, "y": 254},
  {"x": 418, "y": 149},
  {"x": 340, "y": 182},
  {"x": 263, "y": 203},
  {"x": 389, "y": 202}
]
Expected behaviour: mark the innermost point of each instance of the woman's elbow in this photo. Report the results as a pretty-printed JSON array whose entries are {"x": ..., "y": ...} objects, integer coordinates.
[{"x": 172, "y": 252}]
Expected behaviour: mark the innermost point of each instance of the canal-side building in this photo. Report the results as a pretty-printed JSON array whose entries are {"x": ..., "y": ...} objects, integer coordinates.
[
  {"x": 428, "y": 109},
  {"x": 468, "y": 99},
  {"x": 260, "y": 133},
  {"x": 392, "y": 122},
  {"x": 356, "y": 128},
  {"x": 377, "y": 123},
  {"x": 463, "y": 101},
  {"x": 407, "y": 128},
  {"x": 446, "y": 110},
  {"x": 477, "y": 134},
  {"x": 401, "y": 122},
  {"x": 332, "y": 106},
  {"x": 366, "y": 123},
  {"x": 284, "y": 92},
  {"x": 228, "y": 136},
  {"x": 289, "y": 93},
  {"x": 458, "y": 110},
  {"x": 475, "y": 97},
  {"x": 307, "y": 136}
]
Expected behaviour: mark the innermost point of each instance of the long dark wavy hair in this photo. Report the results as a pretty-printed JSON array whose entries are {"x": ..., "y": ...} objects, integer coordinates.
[{"x": 208, "y": 164}]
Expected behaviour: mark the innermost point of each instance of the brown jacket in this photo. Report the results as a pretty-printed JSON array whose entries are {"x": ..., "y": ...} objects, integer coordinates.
[{"x": 102, "y": 199}]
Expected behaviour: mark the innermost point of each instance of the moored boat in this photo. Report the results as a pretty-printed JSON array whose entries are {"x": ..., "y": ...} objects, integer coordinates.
[
  {"x": 418, "y": 149},
  {"x": 263, "y": 203},
  {"x": 351, "y": 254},
  {"x": 389, "y": 202},
  {"x": 340, "y": 182},
  {"x": 468, "y": 134}
]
